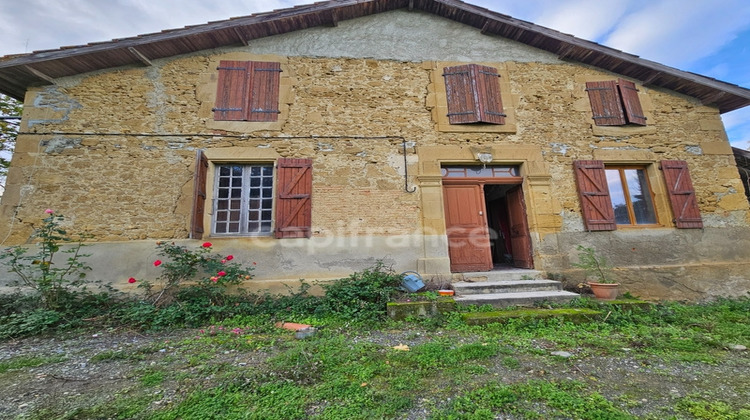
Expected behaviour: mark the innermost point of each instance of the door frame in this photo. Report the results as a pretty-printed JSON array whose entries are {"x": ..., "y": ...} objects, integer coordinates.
[{"x": 482, "y": 181}]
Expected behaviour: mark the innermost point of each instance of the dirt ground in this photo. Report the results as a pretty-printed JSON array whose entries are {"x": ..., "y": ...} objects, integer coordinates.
[{"x": 647, "y": 385}]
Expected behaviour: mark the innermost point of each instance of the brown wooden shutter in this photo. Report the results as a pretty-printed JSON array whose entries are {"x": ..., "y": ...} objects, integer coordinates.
[
  {"x": 473, "y": 94},
  {"x": 293, "y": 199},
  {"x": 633, "y": 109},
  {"x": 199, "y": 196},
  {"x": 460, "y": 95},
  {"x": 596, "y": 205},
  {"x": 232, "y": 91},
  {"x": 264, "y": 91},
  {"x": 687, "y": 215},
  {"x": 488, "y": 93},
  {"x": 605, "y": 103}
]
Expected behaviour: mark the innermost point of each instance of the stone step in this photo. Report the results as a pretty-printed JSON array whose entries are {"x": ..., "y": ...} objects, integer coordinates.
[
  {"x": 499, "y": 275},
  {"x": 471, "y": 288},
  {"x": 502, "y": 300}
]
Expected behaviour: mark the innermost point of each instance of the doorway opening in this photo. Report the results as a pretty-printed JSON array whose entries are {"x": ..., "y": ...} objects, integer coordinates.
[
  {"x": 485, "y": 218},
  {"x": 510, "y": 246}
]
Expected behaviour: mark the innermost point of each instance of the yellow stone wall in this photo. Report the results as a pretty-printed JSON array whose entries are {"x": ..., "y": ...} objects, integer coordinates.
[{"x": 115, "y": 150}]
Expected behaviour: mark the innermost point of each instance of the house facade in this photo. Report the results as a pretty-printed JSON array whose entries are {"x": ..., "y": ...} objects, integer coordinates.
[{"x": 433, "y": 136}]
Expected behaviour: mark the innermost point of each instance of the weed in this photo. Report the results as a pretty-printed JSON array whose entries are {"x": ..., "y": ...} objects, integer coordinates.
[
  {"x": 30, "y": 361},
  {"x": 595, "y": 265},
  {"x": 362, "y": 296},
  {"x": 702, "y": 409}
]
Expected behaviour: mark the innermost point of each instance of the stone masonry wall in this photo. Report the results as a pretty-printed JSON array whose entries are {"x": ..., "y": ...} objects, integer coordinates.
[{"x": 115, "y": 150}]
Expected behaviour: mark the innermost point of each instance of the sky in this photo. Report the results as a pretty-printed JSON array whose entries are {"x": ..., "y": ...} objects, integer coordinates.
[{"x": 708, "y": 37}]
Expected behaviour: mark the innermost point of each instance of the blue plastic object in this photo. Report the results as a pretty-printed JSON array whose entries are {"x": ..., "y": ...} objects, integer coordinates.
[{"x": 412, "y": 281}]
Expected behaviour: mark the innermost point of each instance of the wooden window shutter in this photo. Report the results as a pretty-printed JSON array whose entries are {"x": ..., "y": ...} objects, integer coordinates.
[
  {"x": 633, "y": 109},
  {"x": 232, "y": 91},
  {"x": 488, "y": 94},
  {"x": 460, "y": 95},
  {"x": 473, "y": 94},
  {"x": 596, "y": 205},
  {"x": 605, "y": 103},
  {"x": 687, "y": 215},
  {"x": 264, "y": 91},
  {"x": 294, "y": 198},
  {"x": 199, "y": 196}
]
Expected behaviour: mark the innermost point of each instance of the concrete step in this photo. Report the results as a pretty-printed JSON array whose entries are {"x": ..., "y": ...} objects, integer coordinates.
[
  {"x": 499, "y": 275},
  {"x": 470, "y": 288},
  {"x": 502, "y": 300}
]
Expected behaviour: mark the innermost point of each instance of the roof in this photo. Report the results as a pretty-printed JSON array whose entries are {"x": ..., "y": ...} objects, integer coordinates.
[{"x": 19, "y": 72}]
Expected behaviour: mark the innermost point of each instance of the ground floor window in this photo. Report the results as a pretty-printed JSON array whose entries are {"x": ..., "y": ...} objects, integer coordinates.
[
  {"x": 243, "y": 203},
  {"x": 632, "y": 198}
]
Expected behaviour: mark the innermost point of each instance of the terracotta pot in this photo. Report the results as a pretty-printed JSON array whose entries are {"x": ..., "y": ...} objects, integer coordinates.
[{"x": 605, "y": 291}]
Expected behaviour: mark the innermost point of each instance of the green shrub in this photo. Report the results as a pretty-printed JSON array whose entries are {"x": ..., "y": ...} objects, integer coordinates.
[
  {"x": 39, "y": 271},
  {"x": 362, "y": 295},
  {"x": 210, "y": 271}
]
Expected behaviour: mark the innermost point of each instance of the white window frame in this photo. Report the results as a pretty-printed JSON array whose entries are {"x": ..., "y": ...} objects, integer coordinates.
[{"x": 264, "y": 212}]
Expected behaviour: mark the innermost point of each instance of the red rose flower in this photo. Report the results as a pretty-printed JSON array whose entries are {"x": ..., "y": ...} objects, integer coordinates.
[
  {"x": 131, "y": 280},
  {"x": 207, "y": 244},
  {"x": 230, "y": 257},
  {"x": 221, "y": 273},
  {"x": 157, "y": 263}
]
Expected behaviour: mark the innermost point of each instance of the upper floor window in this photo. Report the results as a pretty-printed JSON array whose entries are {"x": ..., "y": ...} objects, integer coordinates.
[
  {"x": 615, "y": 102},
  {"x": 247, "y": 91},
  {"x": 473, "y": 94}
]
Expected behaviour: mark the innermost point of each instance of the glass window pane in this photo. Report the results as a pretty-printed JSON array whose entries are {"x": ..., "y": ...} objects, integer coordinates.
[
  {"x": 617, "y": 194},
  {"x": 640, "y": 196},
  {"x": 223, "y": 193},
  {"x": 237, "y": 171},
  {"x": 223, "y": 171}
]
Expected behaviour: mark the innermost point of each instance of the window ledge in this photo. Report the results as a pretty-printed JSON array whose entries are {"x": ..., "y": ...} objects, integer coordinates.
[{"x": 624, "y": 130}]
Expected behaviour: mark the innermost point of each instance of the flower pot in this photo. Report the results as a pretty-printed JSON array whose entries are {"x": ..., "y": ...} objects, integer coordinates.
[
  {"x": 446, "y": 292},
  {"x": 605, "y": 291}
]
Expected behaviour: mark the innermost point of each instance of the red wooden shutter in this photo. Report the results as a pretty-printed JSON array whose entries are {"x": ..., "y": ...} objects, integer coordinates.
[
  {"x": 459, "y": 91},
  {"x": 293, "y": 199},
  {"x": 199, "y": 196},
  {"x": 264, "y": 91},
  {"x": 488, "y": 93},
  {"x": 633, "y": 110},
  {"x": 605, "y": 103},
  {"x": 232, "y": 91},
  {"x": 596, "y": 205},
  {"x": 687, "y": 215},
  {"x": 473, "y": 94}
]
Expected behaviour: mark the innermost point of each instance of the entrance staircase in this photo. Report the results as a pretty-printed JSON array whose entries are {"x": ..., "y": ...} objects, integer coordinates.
[{"x": 508, "y": 287}]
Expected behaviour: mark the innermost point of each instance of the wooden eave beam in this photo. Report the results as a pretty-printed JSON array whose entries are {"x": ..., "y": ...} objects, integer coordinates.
[
  {"x": 39, "y": 74},
  {"x": 142, "y": 58},
  {"x": 240, "y": 37},
  {"x": 486, "y": 27},
  {"x": 334, "y": 18}
]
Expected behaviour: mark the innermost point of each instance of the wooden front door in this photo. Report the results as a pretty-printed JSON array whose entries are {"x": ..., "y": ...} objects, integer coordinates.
[
  {"x": 466, "y": 225},
  {"x": 520, "y": 239}
]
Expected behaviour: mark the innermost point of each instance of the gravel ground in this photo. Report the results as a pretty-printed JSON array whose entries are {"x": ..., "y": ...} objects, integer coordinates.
[{"x": 646, "y": 384}]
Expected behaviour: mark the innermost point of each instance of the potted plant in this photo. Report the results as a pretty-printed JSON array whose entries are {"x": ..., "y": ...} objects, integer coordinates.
[{"x": 596, "y": 267}]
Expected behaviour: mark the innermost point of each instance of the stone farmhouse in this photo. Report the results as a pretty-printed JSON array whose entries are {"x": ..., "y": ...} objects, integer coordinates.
[{"x": 433, "y": 135}]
